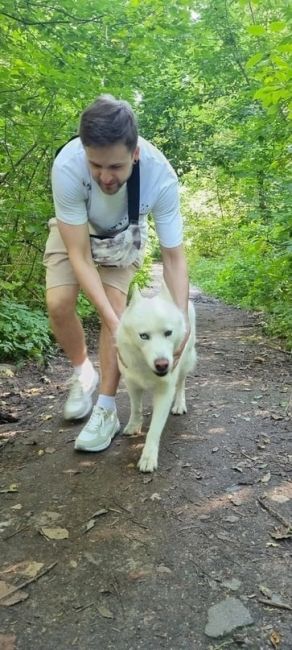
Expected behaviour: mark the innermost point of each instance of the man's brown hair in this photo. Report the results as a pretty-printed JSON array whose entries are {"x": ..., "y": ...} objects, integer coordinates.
[{"x": 108, "y": 121}]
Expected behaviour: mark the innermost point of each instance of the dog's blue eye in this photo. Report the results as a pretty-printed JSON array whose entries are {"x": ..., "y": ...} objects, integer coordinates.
[
  {"x": 168, "y": 333},
  {"x": 144, "y": 336}
]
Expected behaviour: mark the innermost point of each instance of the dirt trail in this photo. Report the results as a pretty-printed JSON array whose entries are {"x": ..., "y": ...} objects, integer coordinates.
[{"x": 146, "y": 557}]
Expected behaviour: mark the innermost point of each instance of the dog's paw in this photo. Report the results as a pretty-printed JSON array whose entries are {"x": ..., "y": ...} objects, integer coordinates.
[
  {"x": 148, "y": 461},
  {"x": 179, "y": 408},
  {"x": 132, "y": 427}
]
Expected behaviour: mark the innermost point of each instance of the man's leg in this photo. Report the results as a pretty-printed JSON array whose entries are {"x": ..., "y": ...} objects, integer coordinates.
[
  {"x": 67, "y": 328},
  {"x": 61, "y": 302},
  {"x": 62, "y": 292},
  {"x": 110, "y": 374},
  {"x": 104, "y": 424}
]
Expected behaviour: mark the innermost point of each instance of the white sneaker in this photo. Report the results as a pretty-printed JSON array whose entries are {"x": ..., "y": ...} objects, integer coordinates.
[
  {"x": 99, "y": 431},
  {"x": 79, "y": 402}
]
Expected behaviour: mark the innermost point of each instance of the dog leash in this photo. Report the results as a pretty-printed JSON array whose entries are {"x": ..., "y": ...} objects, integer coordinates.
[{"x": 120, "y": 358}]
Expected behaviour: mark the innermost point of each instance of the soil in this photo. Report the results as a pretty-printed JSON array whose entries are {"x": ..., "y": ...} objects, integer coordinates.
[{"x": 146, "y": 556}]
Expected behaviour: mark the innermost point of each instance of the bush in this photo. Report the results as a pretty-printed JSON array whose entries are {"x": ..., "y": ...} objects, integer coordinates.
[
  {"x": 255, "y": 274},
  {"x": 24, "y": 333}
]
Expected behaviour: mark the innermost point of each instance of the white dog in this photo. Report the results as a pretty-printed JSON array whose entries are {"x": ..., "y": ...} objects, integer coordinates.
[{"x": 150, "y": 332}]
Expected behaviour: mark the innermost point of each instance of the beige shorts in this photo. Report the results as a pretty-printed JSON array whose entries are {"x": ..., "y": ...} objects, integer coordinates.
[{"x": 59, "y": 271}]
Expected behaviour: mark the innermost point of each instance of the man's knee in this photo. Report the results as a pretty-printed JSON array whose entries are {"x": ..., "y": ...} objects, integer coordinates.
[{"x": 61, "y": 302}]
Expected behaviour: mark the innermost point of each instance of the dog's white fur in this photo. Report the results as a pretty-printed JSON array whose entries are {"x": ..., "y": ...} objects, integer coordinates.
[{"x": 150, "y": 332}]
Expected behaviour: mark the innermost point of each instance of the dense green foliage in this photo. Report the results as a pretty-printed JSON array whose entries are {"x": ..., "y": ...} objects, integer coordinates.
[
  {"x": 211, "y": 84},
  {"x": 23, "y": 332}
]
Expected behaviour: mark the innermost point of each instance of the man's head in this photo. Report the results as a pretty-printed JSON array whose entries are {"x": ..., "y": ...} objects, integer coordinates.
[{"x": 109, "y": 134}]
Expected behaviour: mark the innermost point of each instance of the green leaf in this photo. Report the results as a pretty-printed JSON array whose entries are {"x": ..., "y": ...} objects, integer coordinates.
[
  {"x": 256, "y": 30},
  {"x": 256, "y": 58},
  {"x": 277, "y": 26}
]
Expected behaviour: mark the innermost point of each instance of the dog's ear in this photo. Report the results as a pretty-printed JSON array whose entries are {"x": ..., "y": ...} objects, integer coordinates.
[
  {"x": 134, "y": 294},
  {"x": 165, "y": 293}
]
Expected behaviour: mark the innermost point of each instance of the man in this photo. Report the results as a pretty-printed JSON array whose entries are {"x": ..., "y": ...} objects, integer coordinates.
[{"x": 92, "y": 179}]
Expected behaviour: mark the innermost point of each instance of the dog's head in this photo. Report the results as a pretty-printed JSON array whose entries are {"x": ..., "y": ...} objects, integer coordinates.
[{"x": 154, "y": 327}]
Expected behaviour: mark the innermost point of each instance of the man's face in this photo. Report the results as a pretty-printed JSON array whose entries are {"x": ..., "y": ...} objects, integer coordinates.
[{"x": 111, "y": 166}]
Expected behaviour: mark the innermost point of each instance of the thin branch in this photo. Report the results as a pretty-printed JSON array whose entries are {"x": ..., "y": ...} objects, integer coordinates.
[
  {"x": 251, "y": 13},
  {"x": 13, "y": 90},
  {"x": 273, "y": 512},
  {"x": 272, "y": 603},
  {"x": 19, "y": 161},
  {"x": 27, "y": 582},
  {"x": 75, "y": 19}
]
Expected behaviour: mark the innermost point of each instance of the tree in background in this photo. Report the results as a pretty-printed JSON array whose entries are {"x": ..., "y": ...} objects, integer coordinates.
[{"x": 211, "y": 84}]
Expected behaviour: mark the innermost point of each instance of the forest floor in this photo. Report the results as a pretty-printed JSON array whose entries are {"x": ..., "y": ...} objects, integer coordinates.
[{"x": 103, "y": 557}]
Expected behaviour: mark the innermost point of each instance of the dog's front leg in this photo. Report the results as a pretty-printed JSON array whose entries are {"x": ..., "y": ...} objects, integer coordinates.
[
  {"x": 136, "y": 416},
  {"x": 161, "y": 407},
  {"x": 179, "y": 406}
]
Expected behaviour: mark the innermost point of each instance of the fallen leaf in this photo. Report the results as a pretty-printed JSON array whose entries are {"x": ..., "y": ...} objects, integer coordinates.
[
  {"x": 100, "y": 512},
  {"x": 50, "y": 450},
  {"x": 5, "y": 524},
  {"x": 265, "y": 591},
  {"x": 89, "y": 525},
  {"x": 41, "y": 452},
  {"x": 7, "y": 600},
  {"x": 45, "y": 380},
  {"x": 87, "y": 463},
  {"x": 26, "y": 568},
  {"x": 6, "y": 372},
  {"x": 231, "y": 519},
  {"x": 236, "y": 499},
  {"x": 54, "y": 533},
  {"x": 215, "y": 449},
  {"x": 17, "y": 506},
  {"x": 7, "y": 642},
  {"x": 281, "y": 493},
  {"x": 155, "y": 497},
  {"x": 163, "y": 569},
  {"x": 71, "y": 471},
  {"x": 266, "y": 478},
  {"x": 139, "y": 575},
  {"x": 275, "y": 639},
  {"x": 285, "y": 532},
  {"x": 11, "y": 488},
  {"x": 46, "y": 417},
  {"x": 105, "y": 612}
]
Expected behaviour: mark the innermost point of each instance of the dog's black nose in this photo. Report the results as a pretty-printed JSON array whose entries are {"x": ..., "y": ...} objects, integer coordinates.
[{"x": 161, "y": 366}]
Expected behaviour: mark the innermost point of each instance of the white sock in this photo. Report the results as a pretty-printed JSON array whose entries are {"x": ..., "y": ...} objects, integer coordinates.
[
  {"x": 85, "y": 372},
  {"x": 107, "y": 402}
]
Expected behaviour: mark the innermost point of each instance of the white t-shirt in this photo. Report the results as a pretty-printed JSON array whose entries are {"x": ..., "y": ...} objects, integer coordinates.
[{"x": 78, "y": 199}]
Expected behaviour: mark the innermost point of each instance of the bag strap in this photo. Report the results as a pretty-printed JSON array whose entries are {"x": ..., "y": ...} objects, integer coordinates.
[
  {"x": 133, "y": 190},
  {"x": 133, "y": 187},
  {"x": 64, "y": 145}
]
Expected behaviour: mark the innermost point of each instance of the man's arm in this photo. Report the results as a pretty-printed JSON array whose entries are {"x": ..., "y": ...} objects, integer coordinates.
[
  {"x": 76, "y": 240},
  {"x": 175, "y": 274}
]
